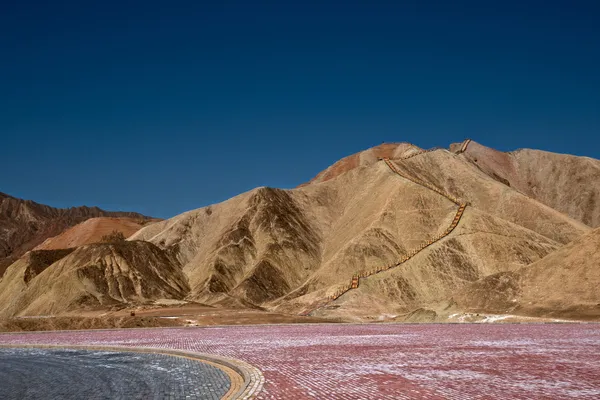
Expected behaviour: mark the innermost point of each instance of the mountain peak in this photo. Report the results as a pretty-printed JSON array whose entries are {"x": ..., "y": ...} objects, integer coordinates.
[{"x": 362, "y": 158}]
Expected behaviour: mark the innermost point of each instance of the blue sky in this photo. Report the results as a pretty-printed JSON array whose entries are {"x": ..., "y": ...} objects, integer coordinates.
[{"x": 163, "y": 107}]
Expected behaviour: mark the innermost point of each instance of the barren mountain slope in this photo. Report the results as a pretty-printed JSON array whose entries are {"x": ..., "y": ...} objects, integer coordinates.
[
  {"x": 567, "y": 183},
  {"x": 565, "y": 283},
  {"x": 481, "y": 245},
  {"x": 454, "y": 175},
  {"x": 90, "y": 276},
  {"x": 91, "y": 231},
  {"x": 246, "y": 246},
  {"x": 21, "y": 272},
  {"x": 363, "y": 158},
  {"x": 25, "y": 224},
  {"x": 290, "y": 249},
  {"x": 422, "y": 227}
]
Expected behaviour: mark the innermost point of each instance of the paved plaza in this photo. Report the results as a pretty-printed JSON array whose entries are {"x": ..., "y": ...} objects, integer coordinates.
[
  {"x": 386, "y": 361},
  {"x": 82, "y": 374}
]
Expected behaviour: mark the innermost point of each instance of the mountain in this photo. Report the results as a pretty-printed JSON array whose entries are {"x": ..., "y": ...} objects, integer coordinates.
[
  {"x": 564, "y": 182},
  {"x": 290, "y": 250},
  {"x": 25, "y": 224},
  {"x": 391, "y": 233},
  {"x": 363, "y": 158},
  {"x": 49, "y": 282},
  {"x": 563, "y": 284},
  {"x": 92, "y": 231}
]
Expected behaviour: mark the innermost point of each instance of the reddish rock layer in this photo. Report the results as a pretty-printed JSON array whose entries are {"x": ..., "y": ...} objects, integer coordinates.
[
  {"x": 366, "y": 157},
  {"x": 92, "y": 231},
  {"x": 25, "y": 224}
]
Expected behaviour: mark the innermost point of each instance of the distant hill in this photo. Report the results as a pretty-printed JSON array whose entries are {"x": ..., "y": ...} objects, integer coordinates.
[
  {"x": 92, "y": 231},
  {"x": 25, "y": 224}
]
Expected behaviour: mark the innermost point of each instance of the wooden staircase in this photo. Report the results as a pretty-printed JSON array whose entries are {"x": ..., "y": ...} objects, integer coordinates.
[{"x": 457, "y": 217}]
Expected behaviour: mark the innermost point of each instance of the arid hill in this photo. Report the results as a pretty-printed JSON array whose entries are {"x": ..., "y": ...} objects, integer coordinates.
[
  {"x": 25, "y": 224},
  {"x": 92, "y": 231},
  {"x": 290, "y": 250},
  {"x": 564, "y": 182},
  {"x": 366, "y": 157},
  {"x": 392, "y": 233},
  {"x": 50, "y": 282},
  {"x": 565, "y": 283}
]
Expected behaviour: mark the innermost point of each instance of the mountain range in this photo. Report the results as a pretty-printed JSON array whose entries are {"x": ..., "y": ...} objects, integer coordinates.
[{"x": 392, "y": 233}]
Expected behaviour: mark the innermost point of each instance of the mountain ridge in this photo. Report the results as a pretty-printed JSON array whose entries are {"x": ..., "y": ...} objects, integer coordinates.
[
  {"x": 25, "y": 224},
  {"x": 453, "y": 218}
]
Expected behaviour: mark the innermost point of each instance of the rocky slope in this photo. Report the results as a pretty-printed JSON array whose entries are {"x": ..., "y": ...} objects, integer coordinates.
[
  {"x": 412, "y": 233},
  {"x": 25, "y": 224},
  {"x": 290, "y": 250},
  {"x": 366, "y": 157},
  {"x": 564, "y": 182},
  {"x": 565, "y": 283},
  {"x": 92, "y": 231},
  {"x": 50, "y": 282}
]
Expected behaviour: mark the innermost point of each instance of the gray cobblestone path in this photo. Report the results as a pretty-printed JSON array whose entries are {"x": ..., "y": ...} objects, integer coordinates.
[{"x": 88, "y": 374}]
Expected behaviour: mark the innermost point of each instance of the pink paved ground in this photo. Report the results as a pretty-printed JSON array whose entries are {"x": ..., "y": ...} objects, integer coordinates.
[{"x": 388, "y": 361}]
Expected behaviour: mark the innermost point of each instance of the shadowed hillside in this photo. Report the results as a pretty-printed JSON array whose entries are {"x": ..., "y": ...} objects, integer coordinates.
[
  {"x": 92, "y": 276},
  {"x": 25, "y": 224}
]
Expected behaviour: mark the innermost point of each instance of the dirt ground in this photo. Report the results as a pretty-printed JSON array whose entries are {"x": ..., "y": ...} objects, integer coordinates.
[{"x": 152, "y": 317}]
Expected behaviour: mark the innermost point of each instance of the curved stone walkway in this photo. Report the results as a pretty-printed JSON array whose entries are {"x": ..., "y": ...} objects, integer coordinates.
[{"x": 35, "y": 373}]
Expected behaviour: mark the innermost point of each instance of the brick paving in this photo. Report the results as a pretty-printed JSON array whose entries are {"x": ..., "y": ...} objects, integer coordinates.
[
  {"x": 82, "y": 374},
  {"x": 387, "y": 361}
]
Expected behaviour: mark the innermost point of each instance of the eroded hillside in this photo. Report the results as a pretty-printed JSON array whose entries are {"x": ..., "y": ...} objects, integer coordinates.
[
  {"x": 564, "y": 182},
  {"x": 90, "y": 277},
  {"x": 92, "y": 231},
  {"x": 25, "y": 224},
  {"x": 392, "y": 233},
  {"x": 563, "y": 284},
  {"x": 291, "y": 250}
]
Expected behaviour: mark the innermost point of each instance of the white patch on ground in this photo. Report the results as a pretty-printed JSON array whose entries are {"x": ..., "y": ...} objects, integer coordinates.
[
  {"x": 169, "y": 302},
  {"x": 493, "y": 318}
]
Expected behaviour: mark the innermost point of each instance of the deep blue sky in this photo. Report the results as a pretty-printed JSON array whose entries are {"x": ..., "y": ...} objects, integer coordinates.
[{"x": 162, "y": 107}]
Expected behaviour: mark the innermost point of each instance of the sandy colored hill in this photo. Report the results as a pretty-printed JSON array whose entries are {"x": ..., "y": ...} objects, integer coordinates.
[
  {"x": 564, "y": 182},
  {"x": 92, "y": 231},
  {"x": 363, "y": 158},
  {"x": 17, "y": 277},
  {"x": 92, "y": 276},
  {"x": 409, "y": 232},
  {"x": 25, "y": 224},
  {"x": 565, "y": 283},
  {"x": 290, "y": 250}
]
